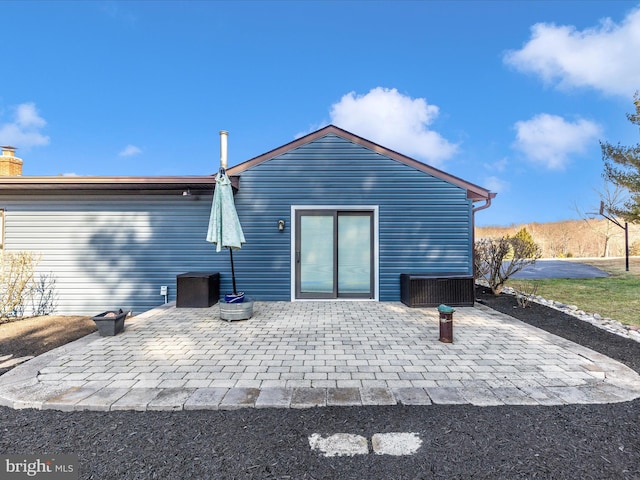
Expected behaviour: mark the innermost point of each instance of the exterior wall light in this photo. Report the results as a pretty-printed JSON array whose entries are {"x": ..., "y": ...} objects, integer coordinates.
[{"x": 281, "y": 225}]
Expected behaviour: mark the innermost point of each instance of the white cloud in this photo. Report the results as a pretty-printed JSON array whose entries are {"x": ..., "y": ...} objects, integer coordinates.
[
  {"x": 118, "y": 11},
  {"x": 24, "y": 130},
  {"x": 498, "y": 165},
  {"x": 130, "y": 151},
  {"x": 549, "y": 140},
  {"x": 496, "y": 184},
  {"x": 397, "y": 121},
  {"x": 27, "y": 116},
  {"x": 603, "y": 57}
]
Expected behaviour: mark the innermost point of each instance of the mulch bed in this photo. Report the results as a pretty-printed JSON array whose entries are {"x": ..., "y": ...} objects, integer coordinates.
[
  {"x": 459, "y": 441},
  {"x": 625, "y": 350}
]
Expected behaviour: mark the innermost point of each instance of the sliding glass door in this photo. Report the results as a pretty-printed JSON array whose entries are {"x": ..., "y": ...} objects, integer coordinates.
[{"x": 334, "y": 254}]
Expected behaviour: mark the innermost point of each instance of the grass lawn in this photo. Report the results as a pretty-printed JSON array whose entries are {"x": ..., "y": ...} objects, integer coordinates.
[{"x": 617, "y": 296}]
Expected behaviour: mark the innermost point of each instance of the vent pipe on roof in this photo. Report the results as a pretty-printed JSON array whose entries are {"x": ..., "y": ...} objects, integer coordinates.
[{"x": 223, "y": 148}]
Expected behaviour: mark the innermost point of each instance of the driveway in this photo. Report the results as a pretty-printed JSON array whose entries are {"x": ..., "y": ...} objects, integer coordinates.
[{"x": 544, "y": 268}]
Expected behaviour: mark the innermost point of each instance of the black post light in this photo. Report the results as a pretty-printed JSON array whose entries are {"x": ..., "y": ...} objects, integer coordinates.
[{"x": 626, "y": 232}]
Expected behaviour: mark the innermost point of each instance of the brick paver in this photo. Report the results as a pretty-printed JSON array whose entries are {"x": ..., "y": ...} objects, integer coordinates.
[{"x": 305, "y": 354}]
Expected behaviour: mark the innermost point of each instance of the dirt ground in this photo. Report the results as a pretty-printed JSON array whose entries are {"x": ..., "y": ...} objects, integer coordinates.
[{"x": 36, "y": 335}]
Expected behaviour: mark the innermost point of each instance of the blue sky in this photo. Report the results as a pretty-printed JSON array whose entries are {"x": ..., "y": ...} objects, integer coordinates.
[{"x": 514, "y": 96}]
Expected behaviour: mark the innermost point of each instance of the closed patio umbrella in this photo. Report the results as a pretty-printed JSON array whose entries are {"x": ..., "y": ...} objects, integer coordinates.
[{"x": 224, "y": 226}]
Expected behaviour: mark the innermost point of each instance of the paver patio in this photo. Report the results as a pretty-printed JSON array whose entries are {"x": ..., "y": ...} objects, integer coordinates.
[{"x": 306, "y": 354}]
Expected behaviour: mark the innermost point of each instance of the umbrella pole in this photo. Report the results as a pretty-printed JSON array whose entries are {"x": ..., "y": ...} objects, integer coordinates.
[{"x": 233, "y": 273}]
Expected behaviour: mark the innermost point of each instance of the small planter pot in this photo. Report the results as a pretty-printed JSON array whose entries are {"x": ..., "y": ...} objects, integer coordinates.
[
  {"x": 236, "y": 311},
  {"x": 110, "y": 323}
]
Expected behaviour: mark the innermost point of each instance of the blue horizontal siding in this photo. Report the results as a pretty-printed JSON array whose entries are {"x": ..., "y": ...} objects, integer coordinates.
[
  {"x": 115, "y": 251},
  {"x": 424, "y": 222}
]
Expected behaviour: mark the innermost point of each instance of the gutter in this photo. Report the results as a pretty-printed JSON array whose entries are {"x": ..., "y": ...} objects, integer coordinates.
[{"x": 487, "y": 203}]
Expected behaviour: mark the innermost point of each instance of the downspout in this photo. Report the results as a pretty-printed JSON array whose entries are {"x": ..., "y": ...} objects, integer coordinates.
[{"x": 487, "y": 204}]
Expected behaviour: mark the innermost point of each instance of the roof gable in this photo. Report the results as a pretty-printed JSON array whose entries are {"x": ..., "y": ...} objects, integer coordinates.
[{"x": 474, "y": 192}]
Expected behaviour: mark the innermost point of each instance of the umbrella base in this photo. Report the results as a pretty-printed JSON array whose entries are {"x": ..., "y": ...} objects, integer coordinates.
[{"x": 236, "y": 311}]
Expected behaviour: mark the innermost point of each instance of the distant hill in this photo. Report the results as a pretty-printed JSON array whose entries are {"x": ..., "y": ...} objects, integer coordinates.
[{"x": 573, "y": 238}]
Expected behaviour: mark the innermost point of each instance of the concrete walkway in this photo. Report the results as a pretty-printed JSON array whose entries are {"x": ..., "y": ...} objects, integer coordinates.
[{"x": 311, "y": 354}]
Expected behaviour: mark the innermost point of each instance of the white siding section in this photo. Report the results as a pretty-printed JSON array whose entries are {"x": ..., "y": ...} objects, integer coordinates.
[{"x": 112, "y": 251}]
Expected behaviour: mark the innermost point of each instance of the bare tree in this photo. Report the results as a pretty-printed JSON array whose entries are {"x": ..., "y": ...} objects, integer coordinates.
[
  {"x": 16, "y": 281},
  {"x": 612, "y": 197},
  {"x": 498, "y": 259}
]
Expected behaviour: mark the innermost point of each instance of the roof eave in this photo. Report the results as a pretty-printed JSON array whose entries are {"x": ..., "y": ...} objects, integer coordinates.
[{"x": 157, "y": 185}]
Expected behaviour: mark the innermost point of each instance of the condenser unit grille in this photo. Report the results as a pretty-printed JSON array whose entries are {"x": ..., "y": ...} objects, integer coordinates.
[{"x": 420, "y": 290}]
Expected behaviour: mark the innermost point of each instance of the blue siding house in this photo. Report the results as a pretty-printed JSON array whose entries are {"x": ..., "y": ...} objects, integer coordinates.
[
  {"x": 328, "y": 216},
  {"x": 356, "y": 216}
]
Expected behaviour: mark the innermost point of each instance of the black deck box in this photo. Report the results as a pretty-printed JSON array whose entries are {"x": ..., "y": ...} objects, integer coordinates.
[
  {"x": 197, "y": 289},
  {"x": 431, "y": 290}
]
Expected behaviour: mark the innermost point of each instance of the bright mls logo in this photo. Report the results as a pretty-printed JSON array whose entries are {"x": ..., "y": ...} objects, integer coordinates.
[{"x": 50, "y": 467}]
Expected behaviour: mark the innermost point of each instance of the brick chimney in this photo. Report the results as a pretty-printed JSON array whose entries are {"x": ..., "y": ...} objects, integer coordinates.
[{"x": 10, "y": 165}]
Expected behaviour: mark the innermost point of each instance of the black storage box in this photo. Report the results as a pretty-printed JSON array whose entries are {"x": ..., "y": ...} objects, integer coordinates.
[
  {"x": 197, "y": 289},
  {"x": 431, "y": 290}
]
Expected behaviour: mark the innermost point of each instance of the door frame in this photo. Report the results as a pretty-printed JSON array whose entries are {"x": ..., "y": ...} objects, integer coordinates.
[{"x": 374, "y": 209}]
